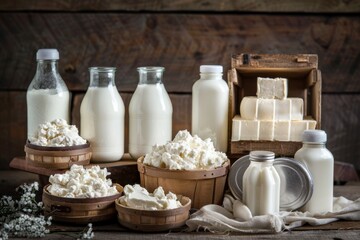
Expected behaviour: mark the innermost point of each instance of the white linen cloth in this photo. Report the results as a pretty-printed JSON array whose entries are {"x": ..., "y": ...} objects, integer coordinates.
[{"x": 216, "y": 218}]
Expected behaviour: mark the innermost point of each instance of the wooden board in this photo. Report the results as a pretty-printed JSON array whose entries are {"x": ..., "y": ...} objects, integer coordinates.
[
  {"x": 319, "y": 6},
  {"x": 131, "y": 40}
]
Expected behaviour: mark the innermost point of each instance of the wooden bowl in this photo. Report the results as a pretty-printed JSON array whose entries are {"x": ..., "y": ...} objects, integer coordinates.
[
  {"x": 201, "y": 186},
  {"x": 80, "y": 210},
  {"x": 153, "y": 220},
  {"x": 57, "y": 157}
]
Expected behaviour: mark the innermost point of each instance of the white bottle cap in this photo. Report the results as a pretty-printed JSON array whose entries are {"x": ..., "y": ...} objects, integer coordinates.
[
  {"x": 47, "y": 54},
  {"x": 314, "y": 136},
  {"x": 211, "y": 69}
]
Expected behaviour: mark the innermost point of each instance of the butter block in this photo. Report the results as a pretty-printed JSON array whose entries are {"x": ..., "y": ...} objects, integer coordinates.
[
  {"x": 272, "y": 88},
  {"x": 282, "y": 130},
  {"x": 236, "y": 128},
  {"x": 266, "y": 131},
  {"x": 252, "y": 108}
]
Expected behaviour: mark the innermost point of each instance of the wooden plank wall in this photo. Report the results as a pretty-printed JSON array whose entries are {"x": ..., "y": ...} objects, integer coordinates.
[{"x": 179, "y": 35}]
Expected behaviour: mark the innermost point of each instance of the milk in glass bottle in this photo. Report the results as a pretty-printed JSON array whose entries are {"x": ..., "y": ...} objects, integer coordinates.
[
  {"x": 261, "y": 184},
  {"x": 320, "y": 163},
  {"x": 150, "y": 113},
  {"x": 210, "y": 103},
  {"x": 102, "y": 116},
  {"x": 47, "y": 96}
]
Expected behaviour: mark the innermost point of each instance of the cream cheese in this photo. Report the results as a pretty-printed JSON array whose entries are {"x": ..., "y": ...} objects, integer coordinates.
[
  {"x": 57, "y": 134},
  {"x": 138, "y": 197}
]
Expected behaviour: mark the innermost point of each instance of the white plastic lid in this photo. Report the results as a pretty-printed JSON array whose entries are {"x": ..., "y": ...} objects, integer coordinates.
[
  {"x": 314, "y": 136},
  {"x": 211, "y": 69},
  {"x": 47, "y": 54}
]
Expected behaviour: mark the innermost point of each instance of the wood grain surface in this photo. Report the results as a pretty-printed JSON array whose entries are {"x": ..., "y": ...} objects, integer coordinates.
[
  {"x": 180, "y": 42},
  {"x": 319, "y": 6}
]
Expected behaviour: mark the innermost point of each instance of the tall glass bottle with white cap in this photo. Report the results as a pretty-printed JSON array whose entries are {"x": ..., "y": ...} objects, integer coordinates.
[
  {"x": 210, "y": 102},
  {"x": 47, "y": 96},
  {"x": 320, "y": 163},
  {"x": 150, "y": 113}
]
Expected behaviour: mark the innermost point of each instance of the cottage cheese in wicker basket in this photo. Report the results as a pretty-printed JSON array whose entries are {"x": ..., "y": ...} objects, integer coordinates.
[
  {"x": 57, "y": 134},
  {"x": 185, "y": 153},
  {"x": 80, "y": 182}
]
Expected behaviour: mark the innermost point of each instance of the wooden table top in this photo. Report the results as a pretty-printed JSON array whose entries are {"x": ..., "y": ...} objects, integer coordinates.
[{"x": 113, "y": 230}]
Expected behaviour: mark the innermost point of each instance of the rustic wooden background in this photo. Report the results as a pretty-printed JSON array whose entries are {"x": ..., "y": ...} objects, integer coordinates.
[{"x": 179, "y": 35}]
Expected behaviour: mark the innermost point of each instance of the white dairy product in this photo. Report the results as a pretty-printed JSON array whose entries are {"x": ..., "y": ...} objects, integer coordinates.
[
  {"x": 46, "y": 105},
  {"x": 80, "y": 182},
  {"x": 253, "y": 108},
  {"x": 138, "y": 197},
  {"x": 185, "y": 153},
  {"x": 261, "y": 184},
  {"x": 57, "y": 134},
  {"x": 320, "y": 163},
  {"x": 272, "y": 88},
  {"x": 253, "y": 130},
  {"x": 282, "y": 130},
  {"x": 150, "y": 118},
  {"x": 210, "y": 103},
  {"x": 102, "y": 123}
]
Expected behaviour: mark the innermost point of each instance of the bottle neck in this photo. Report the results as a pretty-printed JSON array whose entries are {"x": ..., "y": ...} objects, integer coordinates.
[
  {"x": 150, "y": 75},
  {"x": 47, "y": 67},
  {"x": 102, "y": 77},
  {"x": 314, "y": 145},
  {"x": 210, "y": 76},
  {"x": 47, "y": 76},
  {"x": 268, "y": 163}
]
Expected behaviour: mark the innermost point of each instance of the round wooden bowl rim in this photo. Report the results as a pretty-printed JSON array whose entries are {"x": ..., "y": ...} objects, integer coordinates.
[
  {"x": 183, "y": 174},
  {"x": 82, "y": 200},
  {"x": 67, "y": 148},
  {"x": 163, "y": 212}
]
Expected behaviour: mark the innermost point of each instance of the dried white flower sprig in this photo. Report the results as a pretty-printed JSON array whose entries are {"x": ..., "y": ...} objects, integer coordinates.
[{"x": 23, "y": 217}]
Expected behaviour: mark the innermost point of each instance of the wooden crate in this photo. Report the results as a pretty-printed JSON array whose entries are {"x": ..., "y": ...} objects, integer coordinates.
[{"x": 304, "y": 81}]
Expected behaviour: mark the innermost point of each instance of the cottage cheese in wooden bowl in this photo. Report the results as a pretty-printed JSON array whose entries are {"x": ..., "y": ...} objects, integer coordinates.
[{"x": 188, "y": 166}]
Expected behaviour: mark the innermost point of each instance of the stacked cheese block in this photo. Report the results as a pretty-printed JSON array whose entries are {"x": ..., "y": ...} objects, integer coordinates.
[{"x": 271, "y": 116}]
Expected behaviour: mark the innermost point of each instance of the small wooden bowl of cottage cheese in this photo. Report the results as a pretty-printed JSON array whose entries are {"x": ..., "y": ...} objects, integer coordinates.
[
  {"x": 57, "y": 145},
  {"x": 81, "y": 195},
  {"x": 154, "y": 212}
]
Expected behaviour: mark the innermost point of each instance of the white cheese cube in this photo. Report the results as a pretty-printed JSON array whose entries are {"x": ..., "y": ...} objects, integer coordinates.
[
  {"x": 283, "y": 109},
  {"x": 249, "y": 108},
  {"x": 282, "y": 131},
  {"x": 266, "y": 109},
  {"x": 297, "y": 108},
  {"x": 244, "y": 129},
  {"x": 266, "y": 131},
  {"x": 298, "y": 127},
  {"x": 272, "y": 88}
]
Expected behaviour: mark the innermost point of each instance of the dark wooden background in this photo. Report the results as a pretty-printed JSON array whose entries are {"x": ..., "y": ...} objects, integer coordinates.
[{"x": 179, "y": 35}]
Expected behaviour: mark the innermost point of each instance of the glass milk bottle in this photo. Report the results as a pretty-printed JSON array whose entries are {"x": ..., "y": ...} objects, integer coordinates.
[
  {"x": 210, "y": 103},
  {"x": 320, "y": 163},
  {"x": 47, "y": 96},
  {"x": 261, "y": 184},
  {"x": 150, "y": 113},
  {"x": 102, "y": 115}
]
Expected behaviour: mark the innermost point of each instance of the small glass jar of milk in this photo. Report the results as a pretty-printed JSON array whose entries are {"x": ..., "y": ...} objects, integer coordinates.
[
  {"x": 261, "y": 184},
  {"x": 210, "y": 104},
  {"x": 150, "y": 113},
  {"x": 102, "y": 116},
  {"x": 320, "y": 162},
  {"x": 47, "y": 96}
]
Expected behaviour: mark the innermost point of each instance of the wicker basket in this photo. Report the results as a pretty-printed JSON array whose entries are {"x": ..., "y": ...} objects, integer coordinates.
[
  {"x": 57, "y": 157},
  {"x": 154, "y": 220},
  {"x": 80, "y": 210},
  {"x": 201, "y": 186}
]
